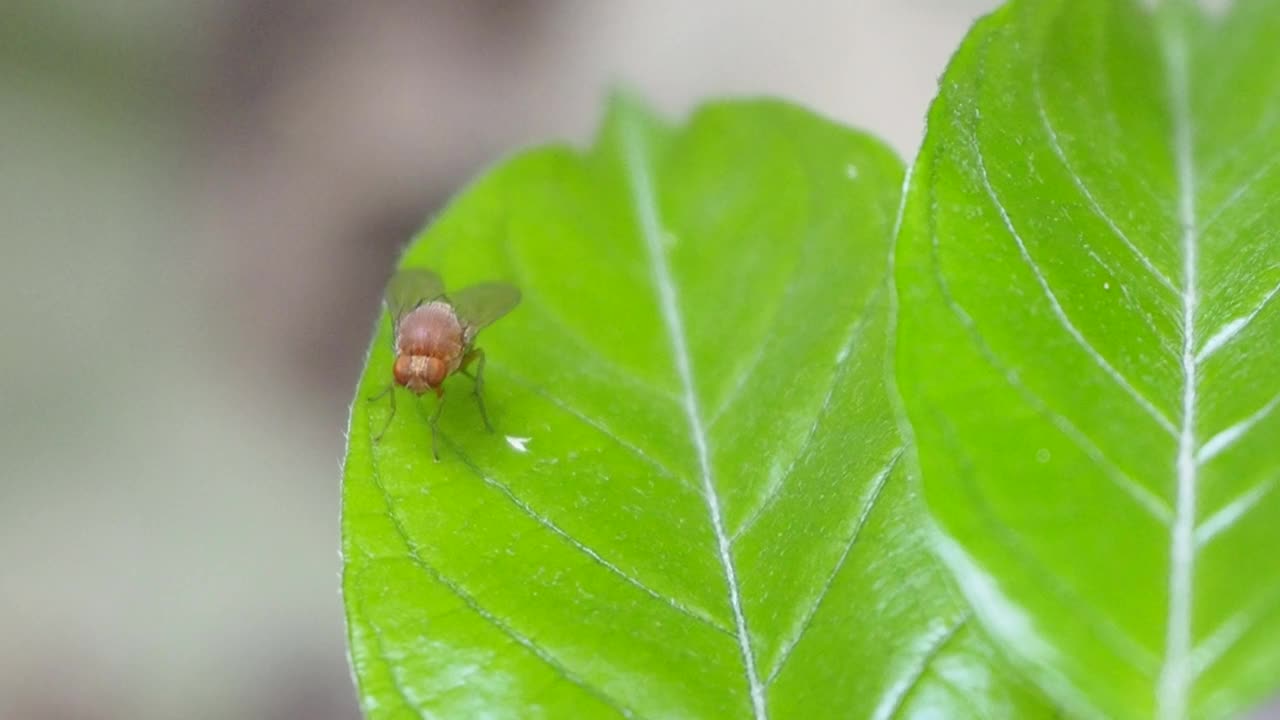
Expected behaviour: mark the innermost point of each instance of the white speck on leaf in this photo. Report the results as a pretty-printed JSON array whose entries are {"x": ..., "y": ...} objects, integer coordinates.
[
  {"x": 1106, "y": 286},
  {"x": 851, "y": 171},
  {"x": 518, "y": 443}
]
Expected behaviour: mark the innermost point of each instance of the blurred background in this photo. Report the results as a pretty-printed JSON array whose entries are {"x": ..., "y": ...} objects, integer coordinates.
[{"x": 199, "y": 203}]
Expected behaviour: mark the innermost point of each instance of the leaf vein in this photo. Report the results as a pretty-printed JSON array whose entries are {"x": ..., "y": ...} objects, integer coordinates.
[
  {"x": 1103, "y": 627},
  {"x": 613, "y": 370},
  {"x": 877, "y": 485},
  {"x": 593, "y": 422},
  {"x": 1210, "y": 650},
  {"x": 1056, "y": 306},
  {"x": 772, "y": 492},
  {"x": 1223, "y": 441},
  {"x": 1231, "y": 513},
  {"x": 393, "y": 668},
  {"x": 470, "y": 601},
  {"x": 1229, "y": 331},
  {"x": 1094, "y": 205},
  {"x": 664, "y": 287},
  {"x": 698, "y": 614},
  {"x": 1240, "y": 192},
  {"x": 1173, "y": 689},
  {"x": 1153, "y": 504},
  {"x": 935, "y": 641}
]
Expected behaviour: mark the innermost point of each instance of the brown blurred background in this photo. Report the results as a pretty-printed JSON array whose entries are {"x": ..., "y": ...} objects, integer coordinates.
[{"x": 199, "y": 203}]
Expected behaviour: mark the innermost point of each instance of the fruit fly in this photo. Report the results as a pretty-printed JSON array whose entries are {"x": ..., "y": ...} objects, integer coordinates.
[{"x": 434, "y": 337}]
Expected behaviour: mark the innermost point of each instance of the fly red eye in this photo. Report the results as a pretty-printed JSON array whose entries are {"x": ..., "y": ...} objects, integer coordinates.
[
  {"x": 436, "y": 371},
  {"x": 401, "y": 370}
]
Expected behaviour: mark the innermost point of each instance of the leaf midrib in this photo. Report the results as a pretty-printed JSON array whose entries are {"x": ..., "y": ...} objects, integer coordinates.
[
  {"x": 640, "y": 186},
  {"x": 1174, "y": 684},
  {"x": 1172, "y": 689}
]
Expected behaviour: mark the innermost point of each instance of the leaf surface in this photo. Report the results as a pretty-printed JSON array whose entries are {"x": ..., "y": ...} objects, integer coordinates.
[
  {"x": 695, "y": 503},
  {"x": 1087, "y": 271}
]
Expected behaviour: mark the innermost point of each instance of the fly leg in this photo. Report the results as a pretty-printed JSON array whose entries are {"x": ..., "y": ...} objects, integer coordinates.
[
  {"x": 389, "y": 390},
  {"x": 433, "y": 420},
  {"x": 435, "y": 426},
  {"x": 477, "y": 356}
]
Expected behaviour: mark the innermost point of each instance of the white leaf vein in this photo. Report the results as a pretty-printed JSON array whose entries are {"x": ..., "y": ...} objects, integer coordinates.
[
  {"x": 698, "y": 614},
  {"x": 1223, "y": 441},
  {"x": 1056, "y": 144},
  {"x": 414, "y": 556},
  {"x": 1240, "y": 193},
  {"x": 1148, "y": 501},
  {"x": 1219, "y": 642},
  {"x": 589, "y": 420},
  {"x": 1173, "y": 687},
  {"x": 1101, "y": 626},
  {"x": 877, "y": 486},
  {"x": 1231, "y": 513},
  {"x": 1229, "y": 331},
  {"x": 1056, "y": 306},
  {"x": 642, "y": 191},
  {"x": 775, "y": 488}
]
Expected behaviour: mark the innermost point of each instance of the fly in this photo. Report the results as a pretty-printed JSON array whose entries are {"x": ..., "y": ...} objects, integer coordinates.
[{"x": 435, "y": 335}]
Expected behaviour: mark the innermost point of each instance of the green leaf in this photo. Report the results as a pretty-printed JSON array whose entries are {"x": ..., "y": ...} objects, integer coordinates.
[
  {"x": 709, "y": 517},
  {"x": 1087, "y": 343}
]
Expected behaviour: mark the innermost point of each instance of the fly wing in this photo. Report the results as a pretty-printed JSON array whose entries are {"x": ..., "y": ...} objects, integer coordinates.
[
  {"x": 479, "y": 305},
  {"x": 410, "y": 288}
]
